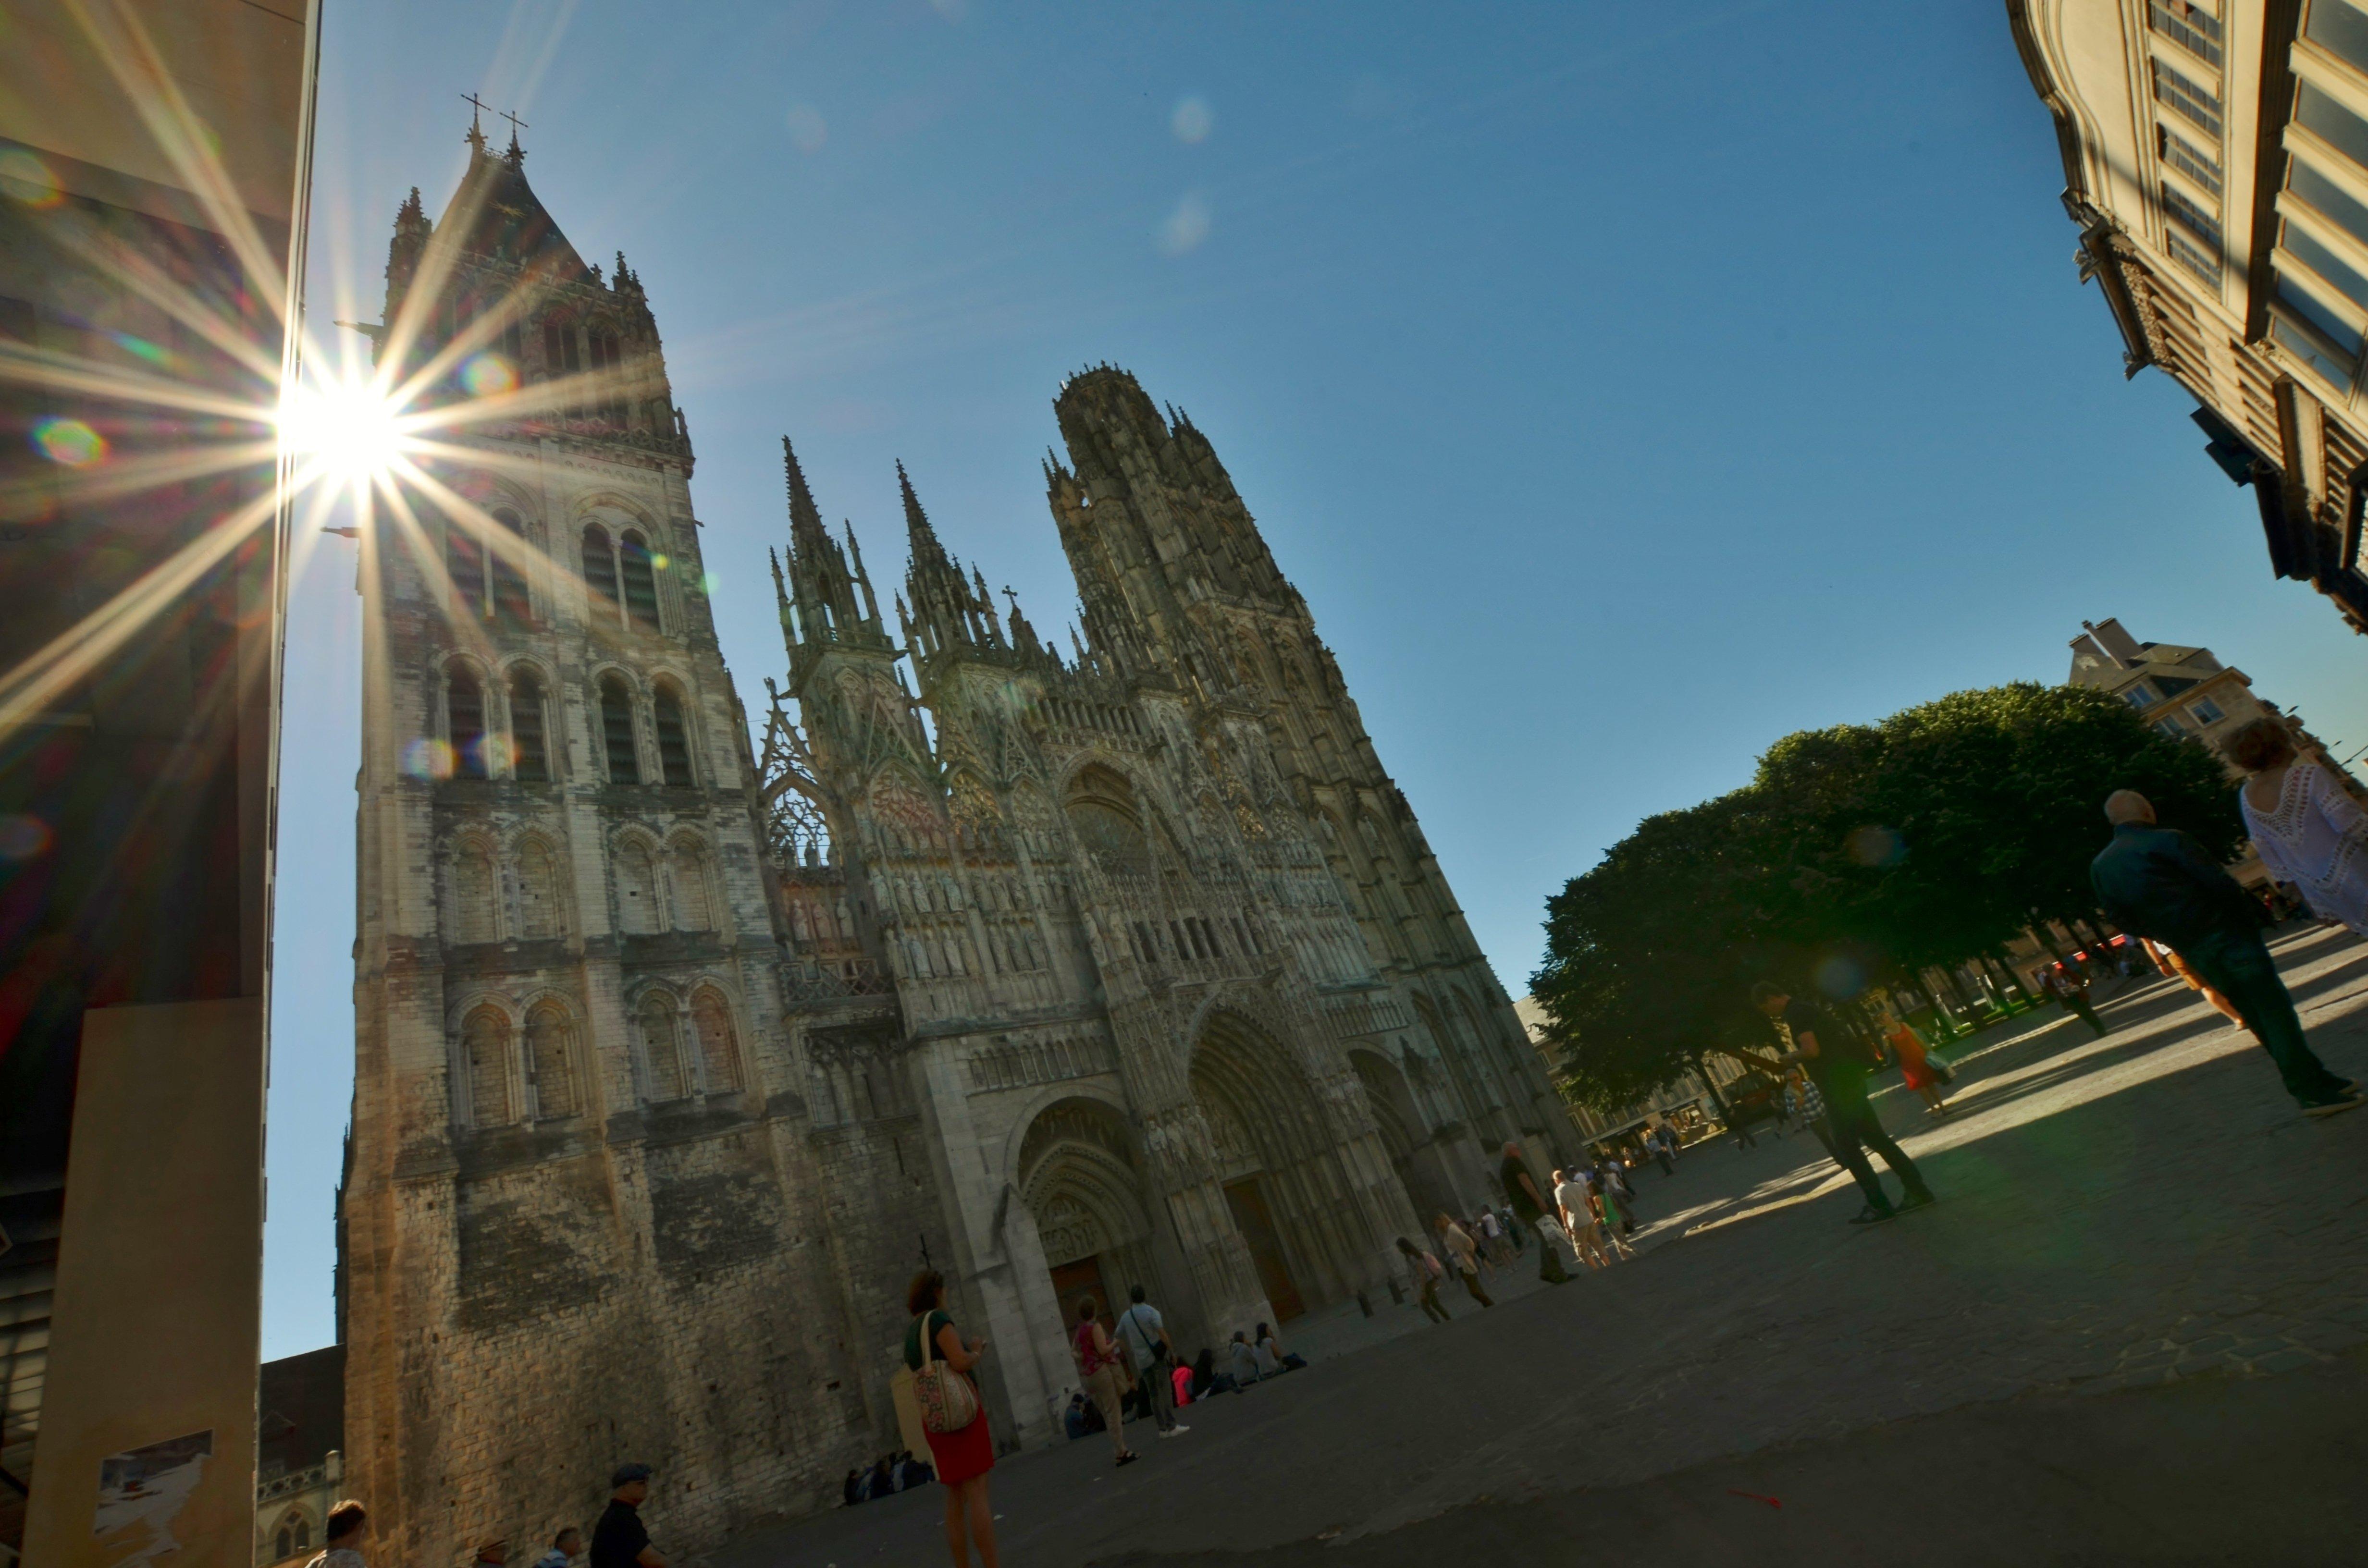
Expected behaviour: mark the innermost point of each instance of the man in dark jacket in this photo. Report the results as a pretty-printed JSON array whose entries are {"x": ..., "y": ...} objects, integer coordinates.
[
  {"x": 1838, "y": 1066},
  {"x": 2157, "y": 883}
]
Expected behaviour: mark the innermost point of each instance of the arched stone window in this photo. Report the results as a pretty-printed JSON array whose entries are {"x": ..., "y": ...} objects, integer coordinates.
[
  {"x": 641, "y": 581},
  {"x": 694, "y": 887},
  {"x": 485, "y": 1056},
  {"x": 617, "y": 732},
  {"x": 464, "y": 562},
  {"x": 719, "y": 1053},
  {"x": 600, "y": 572},
  {"x": 638, "y": 907},
  {"x": 541, "y": 913},
  {"x": 662, "y": 1043},
  {"x": 464, "y": 713},
  {"x": 529, "y": 745},
  {"x": 674, "y": 738},
  {"x": 510, "y": 601},
  {"x": 474, "y": 902},
  {"x": 550, "y": 1062}
]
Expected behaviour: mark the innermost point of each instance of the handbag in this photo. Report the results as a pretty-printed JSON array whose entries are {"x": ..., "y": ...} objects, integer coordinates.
[{"x": 948, "y": 1401}]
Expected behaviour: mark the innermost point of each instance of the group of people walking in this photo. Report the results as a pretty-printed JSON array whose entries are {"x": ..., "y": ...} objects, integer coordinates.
[
  {"x": 2194, "y": 920},
  {"x": 1584, "y": 1210}
]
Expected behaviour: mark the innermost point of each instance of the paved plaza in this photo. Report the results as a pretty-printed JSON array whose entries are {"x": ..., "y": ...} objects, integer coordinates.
[{"x": 2135, "y": 1328}]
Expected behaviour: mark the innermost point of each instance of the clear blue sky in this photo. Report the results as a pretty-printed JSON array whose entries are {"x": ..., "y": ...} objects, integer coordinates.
[{"x": 1624, "y": 386}]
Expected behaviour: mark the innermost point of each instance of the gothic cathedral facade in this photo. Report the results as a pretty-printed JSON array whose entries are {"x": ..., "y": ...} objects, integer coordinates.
[{"x": 677, "y": 1055}]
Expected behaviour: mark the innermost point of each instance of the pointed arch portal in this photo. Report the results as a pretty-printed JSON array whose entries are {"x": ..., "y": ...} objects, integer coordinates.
[
  {"x": 1079, "y": 1180},
  {"x": 1275, "y": 1161}
]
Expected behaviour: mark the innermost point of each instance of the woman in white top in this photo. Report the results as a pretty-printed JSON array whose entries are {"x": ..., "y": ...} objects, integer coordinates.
[{"x": 2305, "y": 826}]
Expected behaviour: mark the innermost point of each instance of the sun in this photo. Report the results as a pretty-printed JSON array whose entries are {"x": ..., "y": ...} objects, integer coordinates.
[{"x": 349, "y": 432}]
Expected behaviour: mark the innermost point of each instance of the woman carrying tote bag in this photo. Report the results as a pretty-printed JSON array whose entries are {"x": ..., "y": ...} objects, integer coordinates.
[{"x": 959, "y": 1443}]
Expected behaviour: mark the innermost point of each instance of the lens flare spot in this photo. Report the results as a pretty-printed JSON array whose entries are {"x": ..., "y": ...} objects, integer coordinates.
[
  {"x": 1186, "y": 226},
  {"x": 491, "y": 755},
  {"x": 1875, "y": 846},
  {"x": 707, "y": 584},
  {"x": 808, "y": 131},
  {"x": 660, "y": 561},
  {"x": 487, "y": 374},
  {"x": 1191, "y": 121},
  {"x": 68, "y": 441},
  {"x": 23, "y": 838},
  {"x": 1840, "y": 977},
  {"x": 428, "y": 760},
  {"x": 25, "y": 178},
  {"x": 140, "y": 348}
]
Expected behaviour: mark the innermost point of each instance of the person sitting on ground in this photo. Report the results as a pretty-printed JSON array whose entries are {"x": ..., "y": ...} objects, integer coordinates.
[
  {"x": 1207, "y": 1379},
  {"x": 1179, "y": 1378},
  {"x": 882, "y": 1481},
  {"x": 620, "y": 1539},
  {"x": 565, "y": 1547},
  {"x": 912, "y": 1472},
  {"x": 1243, "y": 1360},
  {"x": 1272, "y": 1357},
  {"x": 2157, "y": 883},
  {"x": 1081, "y": 1420},
  {"x": 851, "y": 1492},
  {"x": 342, "y": 1547}
]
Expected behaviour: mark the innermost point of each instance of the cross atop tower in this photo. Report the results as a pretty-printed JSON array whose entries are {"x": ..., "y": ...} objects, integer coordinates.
[
  {"x": 517, "y": 153},
  {"x": 476, "y": 137}
]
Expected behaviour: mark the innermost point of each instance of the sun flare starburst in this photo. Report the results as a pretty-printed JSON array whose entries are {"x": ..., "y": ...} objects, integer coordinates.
[{"x": 344, "y": 432}]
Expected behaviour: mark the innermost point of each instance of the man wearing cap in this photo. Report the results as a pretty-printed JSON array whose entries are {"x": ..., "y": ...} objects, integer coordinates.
[{"x": 620, "y": 1541}]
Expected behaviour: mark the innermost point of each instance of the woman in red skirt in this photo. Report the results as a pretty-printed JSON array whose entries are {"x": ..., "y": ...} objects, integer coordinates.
[
  {"x": 1916, "y": 1069},
  {"x": 963, "y": 1458}
]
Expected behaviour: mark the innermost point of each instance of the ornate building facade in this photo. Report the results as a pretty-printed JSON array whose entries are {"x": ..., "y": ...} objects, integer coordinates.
[
  {"x": 2215, "y": 158},
  {"x": 1057, "y": 973}
]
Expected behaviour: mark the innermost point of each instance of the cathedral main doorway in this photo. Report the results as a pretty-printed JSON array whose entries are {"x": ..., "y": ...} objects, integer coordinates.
[
  {"x": 1276, "y": 1160},
  {"x": 1075, "y": 1282},
  {"x": 1257, "y": 1226},
  {"x": 1077, "y": 1176}
]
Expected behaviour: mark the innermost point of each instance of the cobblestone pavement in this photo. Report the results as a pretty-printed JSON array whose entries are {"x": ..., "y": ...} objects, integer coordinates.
[{"x": 2115, "y": 1213}]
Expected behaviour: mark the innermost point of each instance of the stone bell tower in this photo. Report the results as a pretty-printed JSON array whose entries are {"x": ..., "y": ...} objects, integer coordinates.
[{"x": 575, "y": 1224}]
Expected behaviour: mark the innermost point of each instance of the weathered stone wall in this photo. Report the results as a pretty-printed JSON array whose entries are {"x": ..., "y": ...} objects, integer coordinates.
[{"x": 673, "y": 1067}]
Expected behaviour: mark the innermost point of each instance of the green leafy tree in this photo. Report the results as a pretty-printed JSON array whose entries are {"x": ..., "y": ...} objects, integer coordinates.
[{"x": 1858, "y": 854}]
